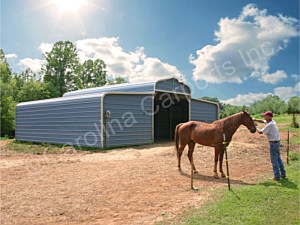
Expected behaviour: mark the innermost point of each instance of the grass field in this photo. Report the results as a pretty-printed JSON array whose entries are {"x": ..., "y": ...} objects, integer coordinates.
[{"x": 269, "y": 202}]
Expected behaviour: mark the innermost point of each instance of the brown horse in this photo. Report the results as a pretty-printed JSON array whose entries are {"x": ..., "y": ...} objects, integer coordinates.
[{"x": 193, "y": 132}]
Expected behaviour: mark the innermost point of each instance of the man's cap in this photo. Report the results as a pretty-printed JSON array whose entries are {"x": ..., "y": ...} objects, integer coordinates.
[{"x": 268, "y": 113}]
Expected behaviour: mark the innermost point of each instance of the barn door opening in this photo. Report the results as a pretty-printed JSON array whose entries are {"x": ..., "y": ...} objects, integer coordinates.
[{"x": 170, "y": 109}]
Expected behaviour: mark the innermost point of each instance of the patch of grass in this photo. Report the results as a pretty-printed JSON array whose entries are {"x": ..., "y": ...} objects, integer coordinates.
[
  {"x": 34, "y": 148},
  {"x": 269, "y": 202},
  {"x": 283, "y": 119},
  {"x": 294, "y": 156},
  {"x": 41, "y": 148},
  {"x": 295, "y": 139},
  {"x": 4, "y": 138}
]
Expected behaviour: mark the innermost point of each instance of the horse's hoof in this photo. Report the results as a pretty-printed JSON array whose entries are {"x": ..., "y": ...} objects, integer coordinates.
[
  {"x": 216, "y": 176},
  {"x": 195, "y": 172},
  {"x": 223, "y": 175},
  {"x": 195, "y": 188}
]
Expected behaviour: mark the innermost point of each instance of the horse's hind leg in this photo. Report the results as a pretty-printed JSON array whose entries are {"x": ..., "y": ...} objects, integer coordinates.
[
  {"x": 221, "y": 162},
  {"x": 190, "y": 155},
  {"x": 179, "y": 154},
  {"x": 217, "y": 151}
]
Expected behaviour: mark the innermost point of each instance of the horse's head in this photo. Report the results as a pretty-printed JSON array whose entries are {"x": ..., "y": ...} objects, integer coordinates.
[{"x": 248, "y": 122}]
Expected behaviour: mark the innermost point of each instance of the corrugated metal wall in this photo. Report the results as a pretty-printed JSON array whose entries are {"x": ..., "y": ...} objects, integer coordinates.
[
  {"x": 172, "y": 85},
  {"x": 204, "y": 111},
  {"x": 72, "y": 121},
  {"x": 130, "y": 122}
]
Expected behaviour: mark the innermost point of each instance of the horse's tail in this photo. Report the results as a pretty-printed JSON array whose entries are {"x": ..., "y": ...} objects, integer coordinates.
[{"x": 176, "y": 137}]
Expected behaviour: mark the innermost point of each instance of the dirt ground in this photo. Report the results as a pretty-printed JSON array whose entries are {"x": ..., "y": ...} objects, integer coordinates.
[{"x": 139, "y": 185}]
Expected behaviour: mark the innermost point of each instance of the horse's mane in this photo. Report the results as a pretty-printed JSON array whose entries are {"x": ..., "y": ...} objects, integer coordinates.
[{"x": 233, "y": 118}]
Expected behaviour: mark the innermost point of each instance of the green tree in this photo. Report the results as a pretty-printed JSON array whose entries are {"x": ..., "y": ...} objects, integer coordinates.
[
  {"x": 27, "y": 75},
  {"x": 20, "y": 80},
  {"x": 117, "y": 80},
  {"x": 270, "y": 103},
  {"x": 7, "y": 110},
  {"x": 7, "y": 107},
  {"x": 5, "y": 71},
  {"x": 294, "y": 108},
  {"x": 32, "y": 90},
  {"x": 92, "y": 74},
  {"x": 61, "y": 66},
  {"x": 229, "y": 110}
]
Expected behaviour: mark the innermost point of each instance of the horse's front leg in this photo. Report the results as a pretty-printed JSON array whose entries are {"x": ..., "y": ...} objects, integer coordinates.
[
  {"x": 221, "y": 163},
  {"x": 216, "y": 162}
]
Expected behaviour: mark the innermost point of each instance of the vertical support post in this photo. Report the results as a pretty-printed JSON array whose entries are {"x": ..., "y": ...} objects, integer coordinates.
[
  {"x": 226, "y": 157},
  {"x": 288, "y": 147},
  {"x": 192, "y": 174},
  {"x": 106, "y": 131},
  {"x": 170, "y": 122}
]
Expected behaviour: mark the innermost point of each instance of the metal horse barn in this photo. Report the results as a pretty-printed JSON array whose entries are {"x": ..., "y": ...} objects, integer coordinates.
[{"x": 111, "y": 116}]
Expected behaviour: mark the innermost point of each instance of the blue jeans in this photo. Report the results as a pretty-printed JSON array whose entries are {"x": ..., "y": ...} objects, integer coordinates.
[{"x": 278, "y": 167}]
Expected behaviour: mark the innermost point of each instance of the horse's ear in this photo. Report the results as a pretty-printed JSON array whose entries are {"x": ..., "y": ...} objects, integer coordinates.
[{"x": 246, "y": 111}]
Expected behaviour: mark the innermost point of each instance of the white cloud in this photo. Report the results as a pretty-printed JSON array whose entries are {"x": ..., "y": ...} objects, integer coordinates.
[
  {"x": 285, "y": 93},
  {"x": 135, "y": 66},
  {"x": 244, "y": 46},
  {"x": 274, "y": 78},
  {"x": 34, "y": 64},
  {"x": 45, "y": 47},
  {"x": 297, "y": 88},
  {"x": 10, "y": 56},
  {"x": 245, "y": 99}
]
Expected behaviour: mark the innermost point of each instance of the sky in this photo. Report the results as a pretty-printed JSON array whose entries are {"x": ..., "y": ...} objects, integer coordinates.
[{"x": 238, "y": 51}]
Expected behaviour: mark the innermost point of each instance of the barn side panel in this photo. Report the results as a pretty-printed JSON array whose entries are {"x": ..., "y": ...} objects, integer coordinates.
[
  {"x": 69, "y": 121},
  {"x": 204, "y": 111},
  {"x": 128, "y": 119}
]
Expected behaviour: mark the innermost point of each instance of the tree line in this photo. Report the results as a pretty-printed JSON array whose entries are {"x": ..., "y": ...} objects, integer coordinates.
[
  {"x": 61, "y": 72},
  {"x": 270, "y": 103}
]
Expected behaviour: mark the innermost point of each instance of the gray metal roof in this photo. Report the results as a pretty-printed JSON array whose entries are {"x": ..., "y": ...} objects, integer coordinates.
[
  {"x": 60, "y": 99},
  {"x": 168, "y": 85},
  {"x": 151, "y": 86}
]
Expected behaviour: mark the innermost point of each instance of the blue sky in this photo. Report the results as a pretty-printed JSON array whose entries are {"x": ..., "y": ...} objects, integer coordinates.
[{"x": 145, "y": 40}]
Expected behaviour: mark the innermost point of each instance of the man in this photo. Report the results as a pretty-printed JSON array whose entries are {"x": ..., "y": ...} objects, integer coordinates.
[{"x": 272, "y": 132}]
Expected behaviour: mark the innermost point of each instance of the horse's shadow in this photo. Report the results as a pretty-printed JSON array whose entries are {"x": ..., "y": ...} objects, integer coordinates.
[{"x": 199, "y": 176}]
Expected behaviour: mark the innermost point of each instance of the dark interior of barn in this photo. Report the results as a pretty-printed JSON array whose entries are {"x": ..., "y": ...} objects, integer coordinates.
[{"x": 170, "y": 109}]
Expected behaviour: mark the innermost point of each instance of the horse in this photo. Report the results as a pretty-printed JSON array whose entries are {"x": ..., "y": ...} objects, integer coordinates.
[{"x": 211, "y": 135}]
